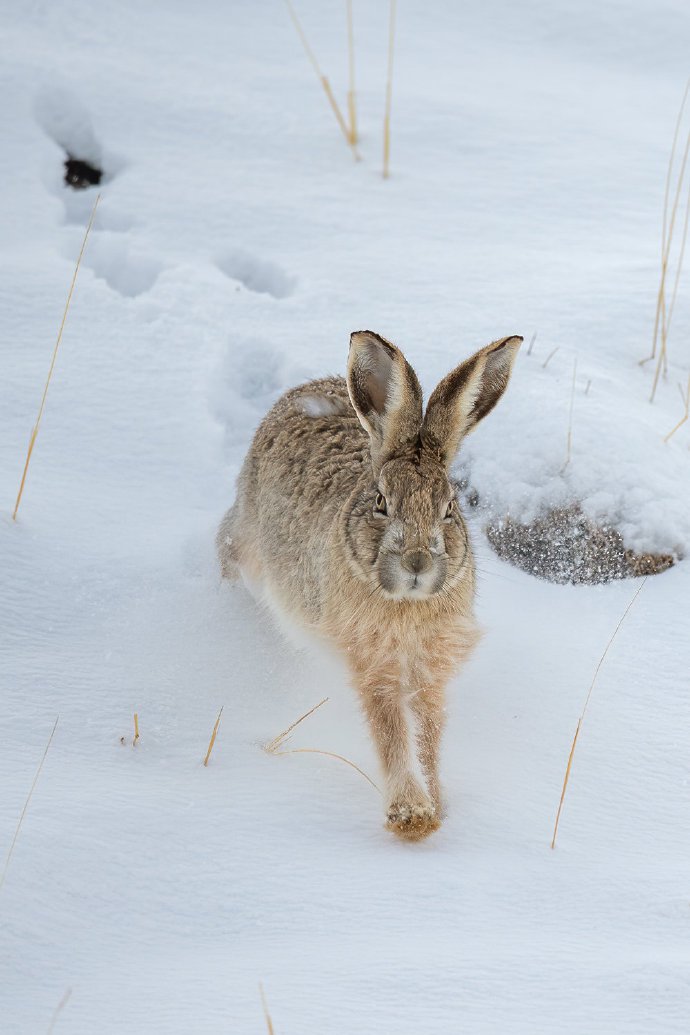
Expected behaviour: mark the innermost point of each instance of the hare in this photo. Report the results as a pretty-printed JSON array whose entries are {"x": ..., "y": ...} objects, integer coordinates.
[{"x": 346, "y": 515}]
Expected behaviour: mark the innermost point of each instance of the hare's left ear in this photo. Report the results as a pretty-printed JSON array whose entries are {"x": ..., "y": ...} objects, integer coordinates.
[
  {"x": 466, "y": 395},
  {"x": 385, "y": 394}
]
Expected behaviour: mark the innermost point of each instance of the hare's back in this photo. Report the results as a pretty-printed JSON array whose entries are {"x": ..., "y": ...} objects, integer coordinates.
[
  {"x": 308, "y": 457},
  {"x": 312, "y": 432}
]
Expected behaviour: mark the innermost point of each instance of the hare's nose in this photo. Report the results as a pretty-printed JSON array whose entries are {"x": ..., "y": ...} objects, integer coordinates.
[{"x": 416, "y": 561}]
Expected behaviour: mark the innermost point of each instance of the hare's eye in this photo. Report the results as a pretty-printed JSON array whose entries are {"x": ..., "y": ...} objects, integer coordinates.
[
  {"x": 449, "y": 510},
  {"x": 380, "y": 504}
]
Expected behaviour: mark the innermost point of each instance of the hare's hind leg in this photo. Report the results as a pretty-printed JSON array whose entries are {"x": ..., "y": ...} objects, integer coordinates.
[
  {"x": 227, "y": 545},
  {"x": 411, "y": 812}
]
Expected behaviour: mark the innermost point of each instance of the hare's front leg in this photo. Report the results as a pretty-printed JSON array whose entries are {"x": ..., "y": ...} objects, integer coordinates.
[
  {"x": 411, "y": 810},
  {"x": 428, "y": 707}
]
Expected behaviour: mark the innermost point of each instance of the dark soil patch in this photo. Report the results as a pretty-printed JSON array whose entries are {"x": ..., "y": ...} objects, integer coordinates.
[
  {"x": 566, "y": 546},
  {"x": 79, "y": 174}
]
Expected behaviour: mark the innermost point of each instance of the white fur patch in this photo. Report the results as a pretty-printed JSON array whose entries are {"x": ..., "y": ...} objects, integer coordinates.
[{"x": 323, "y": 405}]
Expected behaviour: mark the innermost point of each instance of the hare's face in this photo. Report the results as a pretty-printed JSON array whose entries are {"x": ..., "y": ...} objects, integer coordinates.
[{"x": 406, "y": 533}]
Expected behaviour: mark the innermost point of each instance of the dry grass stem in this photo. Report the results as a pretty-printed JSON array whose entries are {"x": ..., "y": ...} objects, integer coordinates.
[
  {"x": 329, "y": 754},
  {"x": 34, "y": 431},
  {"x": 322, "y": 79},
  {"x": 570, "y": 418},
  {"x": 213, "y": 736},
  {"x": 662, "y": 361},
  {"x": 389, "y": 92},
  {"x": 58, "y": 1010},
  {"x": 26, "y": 803},
  {"x": 531, "y": 343},
  {"x": 681, "y": 422},
  {"x": 550, "y": 356},
  {"x": 662, "y": 319},
  {"x": 584, "y": 709},
  {"x": 351, "y": 94},
  {"x": 269, "y": 1022},
  {"x": 136, "y": 729},
  {"x": 670, "y": 166},
  {"x": 275, "y": 746},
  {"x": 666, "y": 231},
  {"x": 589, "y": 385},
  {"x": 679, "y": 267},
  {"x": 272, "y": 746}
]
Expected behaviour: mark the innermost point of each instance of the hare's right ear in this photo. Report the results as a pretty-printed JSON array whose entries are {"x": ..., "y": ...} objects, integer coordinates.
[
  {"x": 466, "y": 395},
  {"x": 385, "y": 393}
]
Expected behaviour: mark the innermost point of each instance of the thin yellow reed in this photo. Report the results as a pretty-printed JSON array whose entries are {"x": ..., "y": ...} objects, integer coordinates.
[
  {"x": 136, "y": 730},
  {"x": 34, "y": 432},
  {"x": 664, "y": 257},
  {"x": 213, "y": 736},
  {"x": 329, "y": 754},
  {"x": 58, "y": 1010},
  {"x": 571, "y": 755},
  {"x": 351, "y": 93},
  {"x": 570, "y": 418},
  {"x": 272, "y": 746},
  {"x": 322, "y": 79},
  {"x": 26, "y": 803},
  {"x": 267, "y": 1016},
  {"x": 661, "y": 362},
  {"x": 679, "y": 267},
  {"x": 681, "y": 422},
  {"x": 275, "y": 746},
  {"x": 389, "y": 92}
]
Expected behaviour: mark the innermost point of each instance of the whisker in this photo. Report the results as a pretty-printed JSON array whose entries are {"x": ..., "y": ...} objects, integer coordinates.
[{"x": 495, "y": 574}]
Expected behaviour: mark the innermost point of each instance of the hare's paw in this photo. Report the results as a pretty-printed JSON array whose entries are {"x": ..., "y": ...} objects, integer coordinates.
[{"x": 413, "y": 821}]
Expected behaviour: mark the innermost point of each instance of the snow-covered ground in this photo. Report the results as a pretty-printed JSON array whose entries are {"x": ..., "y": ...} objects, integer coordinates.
[{"x": 236, "y": 246}]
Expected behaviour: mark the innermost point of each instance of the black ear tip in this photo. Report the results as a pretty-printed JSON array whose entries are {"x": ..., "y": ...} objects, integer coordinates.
[
  {"x": 360, "y": 337},
  {"x": 366, "y": 334},
  {"x": 371, "y": 338},
  {"x": 514, "y": 341}
]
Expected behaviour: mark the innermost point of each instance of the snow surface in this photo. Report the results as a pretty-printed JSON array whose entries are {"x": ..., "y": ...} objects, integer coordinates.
[{"x": 235, "y": 248}]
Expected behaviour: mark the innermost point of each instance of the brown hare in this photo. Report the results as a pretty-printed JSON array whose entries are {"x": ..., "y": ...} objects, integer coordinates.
[{"x": 346, "y": 516}]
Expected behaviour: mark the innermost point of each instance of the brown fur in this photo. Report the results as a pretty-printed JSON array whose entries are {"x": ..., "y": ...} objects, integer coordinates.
[{"x": 346, "y": 516}]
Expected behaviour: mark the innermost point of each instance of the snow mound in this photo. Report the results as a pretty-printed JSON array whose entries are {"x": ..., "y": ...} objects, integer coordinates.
[{"x": 619, "y": 470}]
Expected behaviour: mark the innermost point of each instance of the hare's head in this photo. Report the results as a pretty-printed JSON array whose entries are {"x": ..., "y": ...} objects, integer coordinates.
[{"x": 405, "y": 530}]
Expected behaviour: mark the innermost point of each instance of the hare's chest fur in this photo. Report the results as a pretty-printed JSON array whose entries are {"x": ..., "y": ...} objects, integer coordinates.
[{"x": 412, "y": 644}]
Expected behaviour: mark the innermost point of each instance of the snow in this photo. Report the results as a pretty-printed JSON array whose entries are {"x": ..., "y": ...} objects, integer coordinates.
[{"x": 235, "y": 248}]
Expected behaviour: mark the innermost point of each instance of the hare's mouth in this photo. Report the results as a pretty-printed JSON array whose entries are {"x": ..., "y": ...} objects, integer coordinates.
[{"x": 401, "y": 584}]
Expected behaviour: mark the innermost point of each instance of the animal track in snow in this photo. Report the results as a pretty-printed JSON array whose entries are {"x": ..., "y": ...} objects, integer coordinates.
[
  {"x": 251, "y": 375},
  {"x": 63, "y": 117},
  {"x": 256, "y": 274},
  {"x": 243, "y": 387},
  {"x": 111, "y": 255},
  {"x": 79, "y": 205},
  {"x": 126, "y": 269}
]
